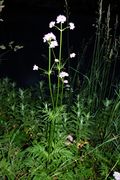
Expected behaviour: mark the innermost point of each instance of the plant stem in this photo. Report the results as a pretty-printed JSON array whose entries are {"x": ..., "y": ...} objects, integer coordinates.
[
  {"x": 62, "y": 92},
  {"x": 59, "y": 67},
  {"x": 49, "y": 78}
]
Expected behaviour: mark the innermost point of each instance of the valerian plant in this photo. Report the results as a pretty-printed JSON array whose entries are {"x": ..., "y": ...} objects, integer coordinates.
[
  {"x": 56, "y": 94},
  {"x": 51, "y": 40}
]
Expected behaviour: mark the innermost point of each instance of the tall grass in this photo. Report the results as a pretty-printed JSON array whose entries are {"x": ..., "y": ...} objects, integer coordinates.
[
  {"x": 105, "y": 54},
  {"x": 49, "y": 136}
]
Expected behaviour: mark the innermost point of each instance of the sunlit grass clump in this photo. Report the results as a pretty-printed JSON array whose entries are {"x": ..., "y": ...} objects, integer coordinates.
[{"x": 54, "y": 132}]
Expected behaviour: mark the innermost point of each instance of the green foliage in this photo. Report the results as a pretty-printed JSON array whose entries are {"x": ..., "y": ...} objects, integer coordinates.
[
  {"x": 63, "y": 135},
  {"x": 34, "y": 144}
]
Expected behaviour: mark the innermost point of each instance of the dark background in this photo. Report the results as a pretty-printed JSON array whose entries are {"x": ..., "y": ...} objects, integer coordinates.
[{"x": 26, "y": 22}]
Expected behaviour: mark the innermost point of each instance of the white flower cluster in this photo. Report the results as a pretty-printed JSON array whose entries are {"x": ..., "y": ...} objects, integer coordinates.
[
  {"x": 116, "y": 175},
  {"x": 56, "y": 60},
  {"x": 35, "y": 67},
  {"x": 51, "y": 39},
  {"x": 72, "y": 55},
  {"x": 61, "y": 19},
  {"x": 72, "y": 26},
  {"x": 62, "y": 75},
  {"x": 51, "y": 24}
]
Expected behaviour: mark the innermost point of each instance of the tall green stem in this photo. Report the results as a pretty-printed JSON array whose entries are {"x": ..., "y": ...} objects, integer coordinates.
[
  {"x": 61, "y": 96},
  {"x": 59, "y": 67},
  {"x": 49, "y": 78}
]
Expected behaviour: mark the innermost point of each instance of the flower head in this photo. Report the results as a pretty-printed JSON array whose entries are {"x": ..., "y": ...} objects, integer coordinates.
[
  {"x": 49, "y": 37},
  {"x": 116, "y": 175},
  {"x": 72, "y": 55},
  {"x": 35, "y": 67},
  {"x": 51, "y": 24},
  {"x": 61, "y": 19},
  {"x": 63, "y": 74},
  {"x": 56, "y": 60},
  {"x": 72, "y": 26},
  {"x": 65, "y": 81},
  {"x": 53, "y": 44}
]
